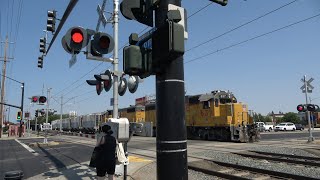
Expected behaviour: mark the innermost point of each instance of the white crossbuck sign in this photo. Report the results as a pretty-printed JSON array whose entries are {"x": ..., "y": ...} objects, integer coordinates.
[{"x": 308, "y": 85}]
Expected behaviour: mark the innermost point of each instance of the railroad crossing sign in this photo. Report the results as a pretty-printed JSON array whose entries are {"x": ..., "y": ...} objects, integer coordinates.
[
  {"x": 307, "y": 85},
  {"x": 102, "y": 17}
]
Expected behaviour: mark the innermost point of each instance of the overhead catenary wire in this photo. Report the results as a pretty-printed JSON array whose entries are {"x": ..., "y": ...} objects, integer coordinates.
[{"x": 253, "y": 38}]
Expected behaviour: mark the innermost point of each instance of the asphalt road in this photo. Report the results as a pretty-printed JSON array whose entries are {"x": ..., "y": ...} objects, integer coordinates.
[
  {"x": 280, "y": 135},
  {"x": 14, "y": 156}
]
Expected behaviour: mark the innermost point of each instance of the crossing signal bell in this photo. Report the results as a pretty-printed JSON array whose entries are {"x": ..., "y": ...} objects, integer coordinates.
[
  {"x": 51, "y": 21},
  {"x": 19, "y": 113}
]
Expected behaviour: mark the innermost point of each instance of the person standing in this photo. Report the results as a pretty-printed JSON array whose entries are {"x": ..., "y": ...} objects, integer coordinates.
[{"x": 106, "y": 159}]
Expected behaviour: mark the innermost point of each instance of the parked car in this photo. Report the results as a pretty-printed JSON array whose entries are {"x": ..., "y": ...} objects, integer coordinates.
[
  {"x": 299, "y": 127},
  {"x": 264, "y": 127},
  {"x": 286, "y": 126}
]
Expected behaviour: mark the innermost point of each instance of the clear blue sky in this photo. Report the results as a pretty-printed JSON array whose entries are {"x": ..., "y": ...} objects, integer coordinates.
[{"x": 264, "y": 73}]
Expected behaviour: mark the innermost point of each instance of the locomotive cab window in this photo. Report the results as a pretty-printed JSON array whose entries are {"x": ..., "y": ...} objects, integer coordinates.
[{"x": 206, "y": 104}]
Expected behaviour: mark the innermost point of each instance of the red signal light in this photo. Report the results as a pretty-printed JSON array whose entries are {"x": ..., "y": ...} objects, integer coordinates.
[
  {"x": 34, "y": 99},
  {"x": 77, "y": 36},
  {"x": 42, "y": 99},
  {"x": 104, "y": 42},
  {"x": 301, "y": 108}
]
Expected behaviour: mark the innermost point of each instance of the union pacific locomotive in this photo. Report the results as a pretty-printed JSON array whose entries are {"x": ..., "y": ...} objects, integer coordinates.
[{"x": 213, "y": 116}]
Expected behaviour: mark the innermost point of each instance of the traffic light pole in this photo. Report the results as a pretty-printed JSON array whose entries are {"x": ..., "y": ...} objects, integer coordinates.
[
  {"x": 115, "y": 57},
  {"x": 311, "y": 138},
  {"x": 61, "y": 109},
  {"x": 116, "y": 76},
  {"x": 47, "y": 115},
  {"x": 171, "y": 128},
  {"x": 22, "y": 97}
]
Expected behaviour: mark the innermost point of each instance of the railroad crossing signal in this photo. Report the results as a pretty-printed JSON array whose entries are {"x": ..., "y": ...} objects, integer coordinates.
[
  {"x": 75, "y": 39},
  {"x": 307, "y": 107},
  {"x": 308, "y": 85}
]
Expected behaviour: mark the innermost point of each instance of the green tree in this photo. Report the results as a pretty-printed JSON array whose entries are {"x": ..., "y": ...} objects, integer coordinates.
[{"x": 290, "y": 117}]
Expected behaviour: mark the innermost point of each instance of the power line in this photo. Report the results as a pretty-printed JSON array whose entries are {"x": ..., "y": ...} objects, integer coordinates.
[
  {"x": 201, "y": 9},
  {"x": 242, "y": 25},
  {"x": 253, "y": 38}
]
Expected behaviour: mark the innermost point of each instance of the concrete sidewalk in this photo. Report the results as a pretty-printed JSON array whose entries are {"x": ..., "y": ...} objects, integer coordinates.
[{"x": 83, "y": 171}]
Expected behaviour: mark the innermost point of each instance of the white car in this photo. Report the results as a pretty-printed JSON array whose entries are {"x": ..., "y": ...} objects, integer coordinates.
[{"x": 286, "y": 126}]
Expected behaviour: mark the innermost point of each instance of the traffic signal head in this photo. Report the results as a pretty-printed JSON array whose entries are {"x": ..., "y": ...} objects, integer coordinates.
[
  {"x": 40, "y": 62},
  {"x": 19, "y": 113},
  {"x": 75, "y": 39},
  {"x": 137, "y": 61},
  {"x": 51, "y": 21},
  {"x": 43, "y": 42},
  {"x": 42, "y": 99},
  {"x": 36, "y": 113},
  {"x": 139, "y": 10},
  {"x": 34, "y": 99},
  {"x": 102, "y": 43}
]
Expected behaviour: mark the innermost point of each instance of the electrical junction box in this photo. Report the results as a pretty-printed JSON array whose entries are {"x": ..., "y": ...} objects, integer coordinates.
[{"x": 120, "y": 128}]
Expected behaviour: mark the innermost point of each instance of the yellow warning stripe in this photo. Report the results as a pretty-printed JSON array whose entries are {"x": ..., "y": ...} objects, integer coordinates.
[{"x": 138, "y": 159}]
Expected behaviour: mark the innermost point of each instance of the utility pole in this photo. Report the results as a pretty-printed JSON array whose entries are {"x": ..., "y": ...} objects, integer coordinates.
[
  {"x": 22, "y": 97},
  {"x": 4, "y": 67},
  {"x": 61, "y": 113},
  {"x": 47, "y": 114},
  {"x": 171, "y": 128},
  {"x": 115, "y": 57}
]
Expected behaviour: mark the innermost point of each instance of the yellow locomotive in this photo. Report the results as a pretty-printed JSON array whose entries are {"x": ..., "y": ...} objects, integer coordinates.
[{"x": 213, "y": 116}]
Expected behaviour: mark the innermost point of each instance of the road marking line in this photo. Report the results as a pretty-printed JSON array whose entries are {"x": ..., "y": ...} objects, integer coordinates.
[{"x": 27, "y": 147}]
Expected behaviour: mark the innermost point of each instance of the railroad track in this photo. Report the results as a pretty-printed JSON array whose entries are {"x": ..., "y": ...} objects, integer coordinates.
[
  {"x": 293, "y": 159},
  {"x": 232, "y": 171},
  {"x": 228, "y": 170}
]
